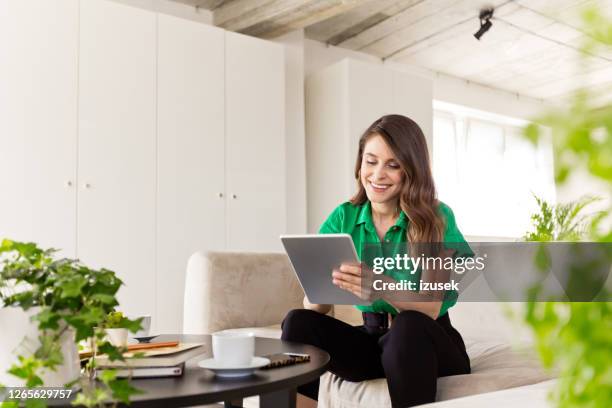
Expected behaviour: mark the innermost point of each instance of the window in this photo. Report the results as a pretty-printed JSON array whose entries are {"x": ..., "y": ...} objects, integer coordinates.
[{"x": 487, "y": 172}]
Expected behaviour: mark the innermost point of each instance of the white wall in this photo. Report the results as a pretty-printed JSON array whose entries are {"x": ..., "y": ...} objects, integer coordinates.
[
  {"x": 318, "y": 55},
  {"x": 461, "y": 92}
]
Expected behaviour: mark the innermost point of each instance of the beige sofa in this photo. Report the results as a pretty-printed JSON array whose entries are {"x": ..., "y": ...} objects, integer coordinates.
[{"x": 254, "y": 291}]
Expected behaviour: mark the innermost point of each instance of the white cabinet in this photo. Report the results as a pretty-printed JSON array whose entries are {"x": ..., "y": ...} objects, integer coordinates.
[
  {"x": 190, "y": 155},
  {"x": 38, "y": 110},
  {"x": 116, "y": 148},
  {"x": 342, "y": 100},
  {"x": 220, "y": 160},
  {"x": 131, "y": 139},
  {"x": 255, "y": 149}
]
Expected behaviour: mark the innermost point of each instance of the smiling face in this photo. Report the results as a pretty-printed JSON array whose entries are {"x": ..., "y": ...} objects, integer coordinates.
[
  {"x": 393, "y": 172},
  {"x": 381, "y": 174}
]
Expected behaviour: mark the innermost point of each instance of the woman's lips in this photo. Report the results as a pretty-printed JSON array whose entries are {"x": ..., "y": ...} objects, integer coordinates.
[{"x": 379, "y": 188}]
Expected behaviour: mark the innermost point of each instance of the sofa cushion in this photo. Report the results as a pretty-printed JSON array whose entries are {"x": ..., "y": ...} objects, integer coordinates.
[
  {"x": 270, "y": 332},
  {"x": 532, "y": 396},
  {"x": 495, "y": 366}
]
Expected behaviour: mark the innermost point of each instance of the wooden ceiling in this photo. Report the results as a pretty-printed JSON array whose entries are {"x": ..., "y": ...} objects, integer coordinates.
[
  {"x": 533, "y": 47},
  {"x": 271, "y": 18}
]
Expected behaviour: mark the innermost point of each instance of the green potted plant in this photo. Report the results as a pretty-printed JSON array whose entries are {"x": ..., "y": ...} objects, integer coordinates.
[
  {"x": 53, "y": 305},
  {"x": 115, "y": 327}
]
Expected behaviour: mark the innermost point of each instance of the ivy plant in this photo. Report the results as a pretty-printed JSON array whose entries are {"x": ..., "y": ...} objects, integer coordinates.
[
  {"x": 69, "y": 296},
  {"x": 116, "y": 320}
]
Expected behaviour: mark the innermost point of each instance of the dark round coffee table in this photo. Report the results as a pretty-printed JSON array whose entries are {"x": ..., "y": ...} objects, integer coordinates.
[{"x": 276, "y": 387}]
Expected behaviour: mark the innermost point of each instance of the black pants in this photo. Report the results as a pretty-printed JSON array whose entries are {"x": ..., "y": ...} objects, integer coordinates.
[{"x": 412, "y": 354}]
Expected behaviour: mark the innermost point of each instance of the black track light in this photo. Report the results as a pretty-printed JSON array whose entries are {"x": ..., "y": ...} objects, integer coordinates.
[{"x": 485, "y": 22}]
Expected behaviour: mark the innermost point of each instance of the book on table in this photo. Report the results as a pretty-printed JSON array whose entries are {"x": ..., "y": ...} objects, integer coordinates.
[
  {"x": 149, "y": 372},
  {"x": 155, "y": 362}
]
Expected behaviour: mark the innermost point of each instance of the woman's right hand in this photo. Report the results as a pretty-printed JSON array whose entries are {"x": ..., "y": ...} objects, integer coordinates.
[{"x": 323, "y": 309}]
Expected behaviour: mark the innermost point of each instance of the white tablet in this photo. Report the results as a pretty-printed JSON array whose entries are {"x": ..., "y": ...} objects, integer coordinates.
[{"x": 313, "y": 258}]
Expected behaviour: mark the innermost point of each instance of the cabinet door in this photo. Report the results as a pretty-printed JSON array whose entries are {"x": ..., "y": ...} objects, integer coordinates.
[
  {"x": 38, "y": 108},
  {"x": 255, "y": 148},
  {"x": 116, "y": 200},
  {"x": 190, "y": 159}
]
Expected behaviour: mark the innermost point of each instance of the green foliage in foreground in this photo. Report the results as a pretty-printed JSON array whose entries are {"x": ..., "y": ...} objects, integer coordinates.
[
  {"x": 70, "y": 297},
  {"x": 573, "y": 338},
  {"x": 576, "y": 338}
]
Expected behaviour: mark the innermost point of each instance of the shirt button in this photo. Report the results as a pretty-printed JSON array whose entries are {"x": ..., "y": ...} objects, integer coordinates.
[{"x": 387, "y": 240}]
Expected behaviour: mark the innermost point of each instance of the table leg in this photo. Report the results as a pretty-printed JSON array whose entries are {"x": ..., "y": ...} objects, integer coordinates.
[{"x": 279, "y": 399}]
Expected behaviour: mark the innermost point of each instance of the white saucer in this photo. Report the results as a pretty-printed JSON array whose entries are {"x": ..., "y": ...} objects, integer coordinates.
[{"x": 223, "y": 370}]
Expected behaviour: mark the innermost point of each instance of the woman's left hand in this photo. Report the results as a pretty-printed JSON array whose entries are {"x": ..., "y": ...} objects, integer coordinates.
[{"x": 349, "y": 277}]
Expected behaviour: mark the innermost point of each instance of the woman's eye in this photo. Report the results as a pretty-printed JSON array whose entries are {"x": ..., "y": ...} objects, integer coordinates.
[
  {"x": 393, "y": 165},
  {"x": 371, "y": 163}
]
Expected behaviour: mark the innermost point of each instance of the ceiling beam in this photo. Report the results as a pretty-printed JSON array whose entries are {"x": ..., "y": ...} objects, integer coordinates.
[
  {"x": 299, "y": 20},
  {"x": 269, "y": 18},
  {"x": 212, "y": 4},
  {"x": 240, "y": 14},
  {"x": 331, "y": 27},
  {"x": 399, "y": 20}
]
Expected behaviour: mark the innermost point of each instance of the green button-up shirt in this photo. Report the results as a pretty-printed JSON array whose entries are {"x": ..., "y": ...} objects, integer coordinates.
[{"x": 356, "y": 220}]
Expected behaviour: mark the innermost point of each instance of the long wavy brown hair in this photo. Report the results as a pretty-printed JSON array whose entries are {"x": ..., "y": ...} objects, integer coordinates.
[{"x": 418, "y": 198}]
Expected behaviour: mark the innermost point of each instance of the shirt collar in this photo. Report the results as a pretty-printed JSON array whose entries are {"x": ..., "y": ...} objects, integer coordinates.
[
  {"x": 365, "y": 217},
  {"x": 402, "y": 221}
]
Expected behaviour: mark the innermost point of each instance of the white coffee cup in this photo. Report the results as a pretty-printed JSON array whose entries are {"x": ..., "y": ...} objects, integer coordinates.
[{"x": 233, "y": 349}]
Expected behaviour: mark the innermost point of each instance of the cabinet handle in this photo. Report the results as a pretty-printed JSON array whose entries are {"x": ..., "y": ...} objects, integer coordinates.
[
  {"x": 87, "y": 185},
  {"x": 234, "y": 196},
  {"x": 220, "y": 195},
  {"x": 69, "y": 183}
]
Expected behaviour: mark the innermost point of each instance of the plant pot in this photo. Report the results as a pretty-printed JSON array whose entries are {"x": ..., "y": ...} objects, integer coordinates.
[
  {"x": 19, "y": 336},
  {"x": 117, "y": 337}
]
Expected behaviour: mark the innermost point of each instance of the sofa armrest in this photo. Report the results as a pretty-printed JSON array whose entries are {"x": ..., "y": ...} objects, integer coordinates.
[{"x": 237, "y": 289}]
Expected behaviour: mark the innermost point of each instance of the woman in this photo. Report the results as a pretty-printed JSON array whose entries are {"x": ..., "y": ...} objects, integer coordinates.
[{"x": 395, "y": 202}]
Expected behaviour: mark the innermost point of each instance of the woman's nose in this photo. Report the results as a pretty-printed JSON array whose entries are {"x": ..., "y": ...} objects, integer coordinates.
[{"x": 379, "y": 173}]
